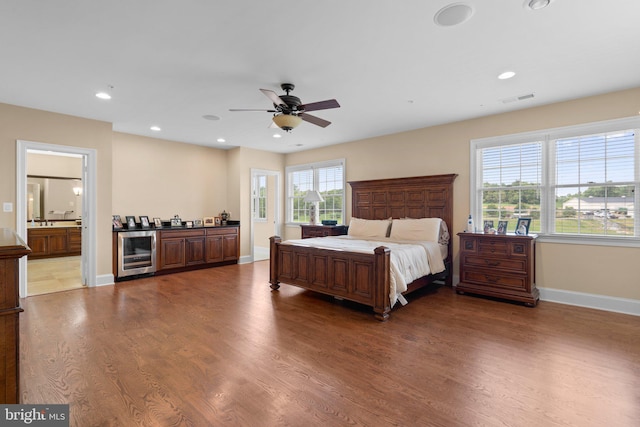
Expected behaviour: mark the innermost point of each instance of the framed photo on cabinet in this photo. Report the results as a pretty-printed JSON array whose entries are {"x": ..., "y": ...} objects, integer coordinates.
[
  {"x": 208, "y": 221},
  {"x": 157, "y": 222},
  {"x": 218, "y": 221},
  {"x": 144, "y": 221},
  {"x": 117, "y": 222},
  {"x": 131, "y": 222},
  {"x": 197, "y": 223}
]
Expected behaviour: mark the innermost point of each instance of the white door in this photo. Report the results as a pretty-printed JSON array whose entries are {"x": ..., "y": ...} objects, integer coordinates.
[{"x": 265, "y": 212}]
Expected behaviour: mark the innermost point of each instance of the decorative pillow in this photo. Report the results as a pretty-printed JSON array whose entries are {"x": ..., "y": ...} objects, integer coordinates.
[
  {"x": 444, "y": 234},
  {"x": 425, "y": 229},
  {"x": 359, "y": 227}
]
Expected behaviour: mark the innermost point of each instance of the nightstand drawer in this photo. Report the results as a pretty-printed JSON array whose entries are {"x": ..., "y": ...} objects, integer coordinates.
[
  {"x": 495, "y": 279},
  {"x": 493, "y": 247},
  {"x": 517, "y": 265}
]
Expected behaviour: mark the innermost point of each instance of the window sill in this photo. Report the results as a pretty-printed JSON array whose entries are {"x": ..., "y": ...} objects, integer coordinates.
[{"x": 630, "y": 242}]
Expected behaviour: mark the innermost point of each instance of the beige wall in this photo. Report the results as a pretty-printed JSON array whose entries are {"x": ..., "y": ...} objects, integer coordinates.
[
  {"x": 241, "y": 160},
  {"x": 18, "y": 123},
  {"x": 445, "y": 149},
  {"x": 160, "y": 178},
  {"x": 55, "y": 166}
]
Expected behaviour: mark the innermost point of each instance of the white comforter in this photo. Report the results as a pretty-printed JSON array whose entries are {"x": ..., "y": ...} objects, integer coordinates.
[{"x": 410, "y": 260}]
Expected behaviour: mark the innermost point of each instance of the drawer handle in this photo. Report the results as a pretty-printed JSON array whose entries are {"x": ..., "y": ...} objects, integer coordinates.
[
  {"x": 492, "y": 263},
  {"x": 492, "y": 279}
]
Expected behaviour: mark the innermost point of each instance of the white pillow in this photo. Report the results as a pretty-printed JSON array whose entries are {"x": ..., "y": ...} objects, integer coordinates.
[
  {"x": 425, "y": 229},
  {"x": 359, "y": 227}
]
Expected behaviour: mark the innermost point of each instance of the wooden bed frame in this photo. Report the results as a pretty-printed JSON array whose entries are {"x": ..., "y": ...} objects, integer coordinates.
[{"x": 359, "y": 277}]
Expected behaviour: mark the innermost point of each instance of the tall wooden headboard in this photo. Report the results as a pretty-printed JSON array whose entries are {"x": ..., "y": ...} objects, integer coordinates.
[{"x": 413, "y": 197}]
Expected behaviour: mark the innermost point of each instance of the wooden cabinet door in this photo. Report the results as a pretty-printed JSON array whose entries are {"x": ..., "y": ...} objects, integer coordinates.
[
  {"x": 58, "y": 241},
  {"x": 230, "y": 247},
  {"x": 172, "y": 253},
  {"x": 195, "y": 250},
  {"x": 39, "y": 245},
  {"x": 214, "y": 248}
]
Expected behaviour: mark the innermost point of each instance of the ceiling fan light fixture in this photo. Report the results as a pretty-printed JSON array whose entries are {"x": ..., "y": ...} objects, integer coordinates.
[{"x": 287, "y": 122}]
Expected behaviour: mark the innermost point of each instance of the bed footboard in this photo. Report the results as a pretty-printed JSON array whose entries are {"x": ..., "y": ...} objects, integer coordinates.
[{"x": 359, "y": 277}]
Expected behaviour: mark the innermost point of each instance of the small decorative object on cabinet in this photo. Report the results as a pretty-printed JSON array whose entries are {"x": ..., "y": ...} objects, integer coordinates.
[
  {"x": 501, "y": 266},
  {"x": 309, "y": 231},
  {"x": 224, "y": 216},
  {"x": 144, "y": 221}
]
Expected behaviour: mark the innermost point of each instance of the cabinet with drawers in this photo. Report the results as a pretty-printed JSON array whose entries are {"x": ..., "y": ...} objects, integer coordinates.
[{"x": 501, "y": 266}]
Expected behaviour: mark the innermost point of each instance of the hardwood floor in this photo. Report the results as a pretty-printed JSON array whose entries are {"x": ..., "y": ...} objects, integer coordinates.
[
  {"x": 53, "y": 275},
  {"x": 218, "y": 347}
]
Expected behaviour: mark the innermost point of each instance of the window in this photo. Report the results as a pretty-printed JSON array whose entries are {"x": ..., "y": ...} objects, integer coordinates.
[
  {"x": 328, "y": 179},
  {"x": 260, "y": 198},
  {"x": 579, "y": 182}
]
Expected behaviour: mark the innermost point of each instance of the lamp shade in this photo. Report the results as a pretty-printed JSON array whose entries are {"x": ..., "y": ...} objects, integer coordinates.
[
  {"x": 313, "y": 196},
  {"x": 286, "y": 122}
]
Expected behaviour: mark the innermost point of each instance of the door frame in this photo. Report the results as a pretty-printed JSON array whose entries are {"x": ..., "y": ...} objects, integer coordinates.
[
  {"x": 89, "y": 206},
  {"x": 276, "y": 203}
]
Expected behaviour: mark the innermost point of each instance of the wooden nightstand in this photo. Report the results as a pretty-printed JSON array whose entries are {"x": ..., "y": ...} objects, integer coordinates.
[
  {"x": 501, "y": 266},
  {"x": 323, "y": 230}
]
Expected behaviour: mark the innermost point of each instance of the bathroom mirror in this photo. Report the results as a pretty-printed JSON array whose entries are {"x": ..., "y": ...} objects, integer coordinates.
[{"x": 50, "y": 198}]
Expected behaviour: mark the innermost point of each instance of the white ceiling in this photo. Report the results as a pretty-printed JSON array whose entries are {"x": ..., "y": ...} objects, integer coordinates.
[{"x": 388, "y": 64}]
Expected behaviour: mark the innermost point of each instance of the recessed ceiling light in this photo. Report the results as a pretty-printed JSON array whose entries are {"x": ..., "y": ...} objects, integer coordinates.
[
  {"x": 221, "y": 140},
  {"x": 277, "y": 135},
  {"x": 506, "y": 75},
  {"x": 105, "y": 94},
  {"x": 453, "y": 14},
  {"x": 155, "y": 128},
  {"x": 210, "y": 117},
  {"x": 536, "y": 4}
]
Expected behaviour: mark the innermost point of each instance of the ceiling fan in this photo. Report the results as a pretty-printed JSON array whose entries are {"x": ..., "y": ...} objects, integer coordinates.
[{"x": 289, "y": 111}]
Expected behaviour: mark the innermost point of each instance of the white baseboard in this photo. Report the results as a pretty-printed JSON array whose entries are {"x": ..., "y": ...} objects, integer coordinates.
[
  {"x": 105, "y": 279},
  {"x": 247, "y": 259},
  {"x": 600, "y": 302}
]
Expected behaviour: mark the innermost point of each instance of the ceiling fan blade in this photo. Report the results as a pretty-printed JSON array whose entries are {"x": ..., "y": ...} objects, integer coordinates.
[
  {"x": 273, "y": 97},
  {"x": 253, "y": 109},
  {"x": 321, "y": 105},
  {"x": 315, "y": 120}
]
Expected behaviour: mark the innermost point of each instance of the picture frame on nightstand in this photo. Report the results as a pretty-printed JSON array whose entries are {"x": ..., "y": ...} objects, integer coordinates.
[
  {"x": 522, "y": 226},
  {"x": 502, "y": 227}
]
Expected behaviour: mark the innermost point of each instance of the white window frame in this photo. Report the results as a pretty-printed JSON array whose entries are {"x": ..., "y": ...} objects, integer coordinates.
[
  {"x": 257, "y": 197},
  {"x": 315, "y": 167},
  {"x": 548, "y": 137}
]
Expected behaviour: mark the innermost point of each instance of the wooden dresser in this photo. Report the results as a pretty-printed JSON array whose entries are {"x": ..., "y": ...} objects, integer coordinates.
[
  {"x": 12, "y": 248},
  {"x": 501, "y": 266},
  {"x": 323, "y": 230}
]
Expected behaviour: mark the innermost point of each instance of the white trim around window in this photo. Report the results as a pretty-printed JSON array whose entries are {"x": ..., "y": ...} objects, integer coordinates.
[{"x": 547, "y": 139}]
